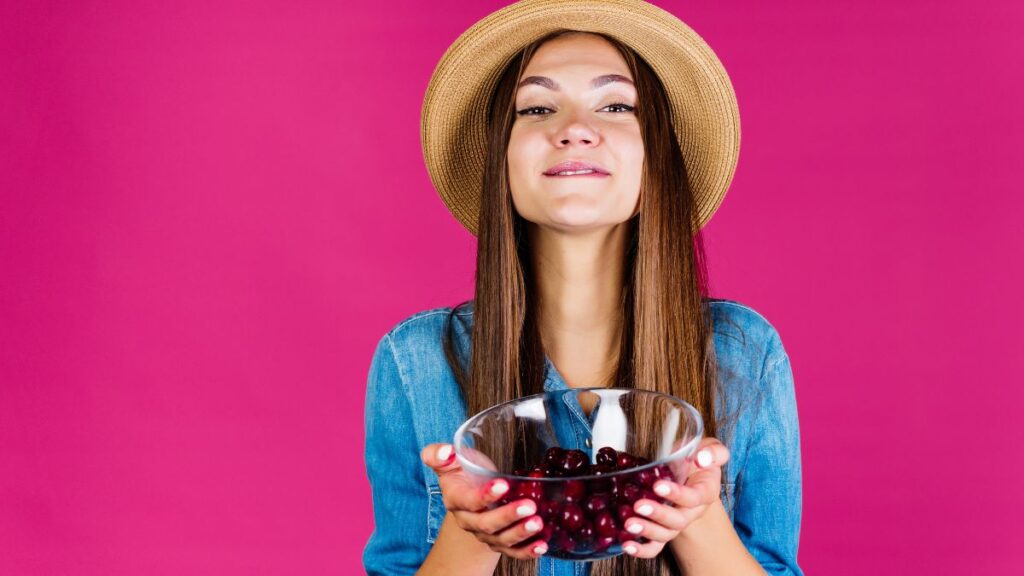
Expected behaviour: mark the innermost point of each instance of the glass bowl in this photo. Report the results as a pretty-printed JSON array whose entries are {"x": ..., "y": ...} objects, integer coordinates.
[{"x": 585, "y": 456}]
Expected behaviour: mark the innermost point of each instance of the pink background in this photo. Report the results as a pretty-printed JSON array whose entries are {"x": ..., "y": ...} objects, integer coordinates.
[{"x": 210, "y": 214}]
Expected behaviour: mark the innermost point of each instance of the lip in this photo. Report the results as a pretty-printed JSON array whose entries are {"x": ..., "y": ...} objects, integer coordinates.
[{"x": 576, "y": 165}]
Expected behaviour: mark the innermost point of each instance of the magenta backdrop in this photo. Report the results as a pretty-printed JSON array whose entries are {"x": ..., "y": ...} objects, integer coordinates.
[{"x": 210, "y": 215}]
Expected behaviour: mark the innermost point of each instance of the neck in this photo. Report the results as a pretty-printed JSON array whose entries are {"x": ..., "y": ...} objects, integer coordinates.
[{"x": 579, "y": 285}]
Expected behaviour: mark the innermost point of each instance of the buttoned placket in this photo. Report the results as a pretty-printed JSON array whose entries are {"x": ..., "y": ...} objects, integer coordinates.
[{"x": 580, "y": 424}]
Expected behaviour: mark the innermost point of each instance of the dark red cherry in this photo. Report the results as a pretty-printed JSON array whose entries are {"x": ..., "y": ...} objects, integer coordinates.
[
  {"x": 538, "y": 472},
  {"x": 663, "y": 471},
  {"x": 575, "y": 463},
  {"x": 571, "y": 517},
  {"x": 565, "y": 540},
  {"x": 560, "y": 540},
  {"x": 528, "y": 489},
  {"x": 575, "y": 490},
  {"x": 624, "y": 511},
  {"x": 585, "y": 534},
  {"x": 547, "y": 531},
  {"x": 605, "y": 524},
  {"x": 548, "y": 509},
  {"x": 603, "y": 543},
  {"x": 553, "y": 455},
  {"x": 625, "y": 460},
  {"x": 607, "y": 456},
  {"x": 631, "y": 493},
  {"x": 596, "y": 503}
]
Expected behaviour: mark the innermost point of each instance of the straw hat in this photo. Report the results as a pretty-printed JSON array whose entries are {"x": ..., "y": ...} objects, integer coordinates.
[{"x": 705, "y": 114}]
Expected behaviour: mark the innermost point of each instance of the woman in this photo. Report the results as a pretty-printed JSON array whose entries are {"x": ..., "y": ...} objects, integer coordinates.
[{"x": 590, "y": 273}]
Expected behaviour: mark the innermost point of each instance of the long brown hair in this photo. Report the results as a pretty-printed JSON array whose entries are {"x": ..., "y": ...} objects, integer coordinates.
[{"x": 666, "y": 342}]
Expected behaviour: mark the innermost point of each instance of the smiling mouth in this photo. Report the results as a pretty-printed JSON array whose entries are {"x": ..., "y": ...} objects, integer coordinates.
[{"x": 577, "y": 173}]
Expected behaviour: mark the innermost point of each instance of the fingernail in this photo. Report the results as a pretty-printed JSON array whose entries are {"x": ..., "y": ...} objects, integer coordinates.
[
  {"x": 645, "y": 509},
  {"x": 444, "y": 453},
  {"x": 525, "y": 510},
  {"x": 541, "y": 549},
  {"x": 499, "y": 487},
  {"x": 704, "y": 458},
  {"x": 635, "y": 528},
  {"x": 662, "y": 489},
  {"x": 630, "y": 549},
  {"x": 532, "y": 526}
]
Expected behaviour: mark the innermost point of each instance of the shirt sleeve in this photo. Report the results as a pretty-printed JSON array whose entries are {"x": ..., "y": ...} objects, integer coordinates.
[
  {"x": 398, "y": 543},
  {"x": 769, "y": 498}
]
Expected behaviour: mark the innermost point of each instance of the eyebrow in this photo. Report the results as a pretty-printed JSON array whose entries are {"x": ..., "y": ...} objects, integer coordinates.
[{"x": 595, "y": 83}]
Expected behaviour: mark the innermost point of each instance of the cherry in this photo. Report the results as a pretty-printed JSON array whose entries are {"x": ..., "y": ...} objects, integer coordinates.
[
  {"x": 585, "y": 534},
  {"x": 647, "y": 477},
  {"x": 561, "y": 540},
  {"x": 575, "y": 490},
  {"x": 596, "y": 503},
  {"x": 571, "y": 518},
  {"x": 531, "y": 490},
  {"x": 604, "y": 524},
  {"x": 631, "y": 493},
  {"x": 607, "y": 456},
  {"x": 624, "y": 511},
  {"x": 625, "y": 460},
  {"x": 546, "y": 532},
  {"x": 548, "y": 509},
  {"x": 575, "y": 463},
  {"x": 603, "y": 543},
  {"x": 554, "y": 455}
]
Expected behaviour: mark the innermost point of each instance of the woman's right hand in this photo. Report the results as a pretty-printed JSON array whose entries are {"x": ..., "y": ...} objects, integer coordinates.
[{"x": 507, "y": 529}]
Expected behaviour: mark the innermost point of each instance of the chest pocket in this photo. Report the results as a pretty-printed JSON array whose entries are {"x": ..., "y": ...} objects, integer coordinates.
[{"x": 435, "y": 512}]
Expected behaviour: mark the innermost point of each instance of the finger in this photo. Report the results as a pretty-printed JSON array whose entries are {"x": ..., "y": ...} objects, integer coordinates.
[
  {"x": 520, "y": 532},
  {"x": 440, "y": 457},
  {"x": 711, "y": 453},
  {"x": 648, "y": 550},
  {"x": 463, "y": 493},
  {"x": 492, "y": 522},
  {"x": 651, "y": 530},
  {"x": 533, "y": 548},
  {"x": 693, "y": 494},
  {"x": 667, "y": 516}
]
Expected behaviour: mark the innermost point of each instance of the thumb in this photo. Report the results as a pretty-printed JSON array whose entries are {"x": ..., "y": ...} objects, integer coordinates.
[{"x": 440, "y": 457}]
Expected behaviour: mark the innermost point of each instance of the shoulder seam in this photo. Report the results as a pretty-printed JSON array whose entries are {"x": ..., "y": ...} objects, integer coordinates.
[
  {"x": 744, "y": 307},
  {"x": 417, "y": 316}
]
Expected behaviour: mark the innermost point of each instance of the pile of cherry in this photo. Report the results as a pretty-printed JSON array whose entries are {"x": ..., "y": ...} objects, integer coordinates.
[{"x": 587, "y": 516}]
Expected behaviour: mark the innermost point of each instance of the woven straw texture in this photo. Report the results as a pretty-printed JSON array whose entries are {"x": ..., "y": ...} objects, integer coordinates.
[{"x": 704, "y": 108}]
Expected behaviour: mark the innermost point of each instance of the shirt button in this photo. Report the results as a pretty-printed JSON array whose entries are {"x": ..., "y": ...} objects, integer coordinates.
[{"x": 587, "y": 441}]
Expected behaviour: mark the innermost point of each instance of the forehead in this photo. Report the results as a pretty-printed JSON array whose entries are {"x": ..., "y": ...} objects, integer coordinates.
[{"x": 583, "y": 53}]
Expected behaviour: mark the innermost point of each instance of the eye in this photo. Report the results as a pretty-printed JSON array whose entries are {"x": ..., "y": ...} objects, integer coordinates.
[
  {"x": 526, "y": 111},
  {"x": 529, "y": 111},
  {"x": 627, "y": 107}
]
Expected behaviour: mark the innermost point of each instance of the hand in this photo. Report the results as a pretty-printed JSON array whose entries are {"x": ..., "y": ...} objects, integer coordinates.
[
  {"x": 506, "y": 529},
  {"x": 664, "y": 522}
]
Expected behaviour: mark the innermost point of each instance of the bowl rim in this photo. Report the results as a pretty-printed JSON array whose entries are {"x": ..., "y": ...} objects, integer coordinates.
[{"x": 684, "y": 451}]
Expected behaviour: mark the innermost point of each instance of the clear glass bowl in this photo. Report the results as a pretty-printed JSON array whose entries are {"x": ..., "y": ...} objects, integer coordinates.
[{"x": 548, "y": 447}]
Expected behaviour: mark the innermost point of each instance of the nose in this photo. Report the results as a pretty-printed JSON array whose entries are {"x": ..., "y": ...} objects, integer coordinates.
[{"x": 576, "y": 131}]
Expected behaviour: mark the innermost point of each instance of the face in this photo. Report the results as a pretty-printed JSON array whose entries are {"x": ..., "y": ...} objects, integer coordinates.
[{"x": 569, "y": 109}]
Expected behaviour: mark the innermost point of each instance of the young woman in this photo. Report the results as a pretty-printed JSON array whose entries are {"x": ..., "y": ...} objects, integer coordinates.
[{"x": 596, "y": 174}]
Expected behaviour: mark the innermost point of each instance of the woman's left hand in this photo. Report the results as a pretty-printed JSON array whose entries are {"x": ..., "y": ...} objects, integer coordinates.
[{"x": 661, "y": 523}]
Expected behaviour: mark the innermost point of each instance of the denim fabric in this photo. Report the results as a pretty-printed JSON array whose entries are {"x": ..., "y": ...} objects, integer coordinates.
[{"x": 412, "y": 399}]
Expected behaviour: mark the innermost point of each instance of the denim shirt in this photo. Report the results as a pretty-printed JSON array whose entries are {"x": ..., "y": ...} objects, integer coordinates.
[{"x": 413, "y": 399}]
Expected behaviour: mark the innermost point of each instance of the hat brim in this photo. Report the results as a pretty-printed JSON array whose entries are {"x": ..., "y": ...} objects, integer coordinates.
[{"x": 453, "y": 121}]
